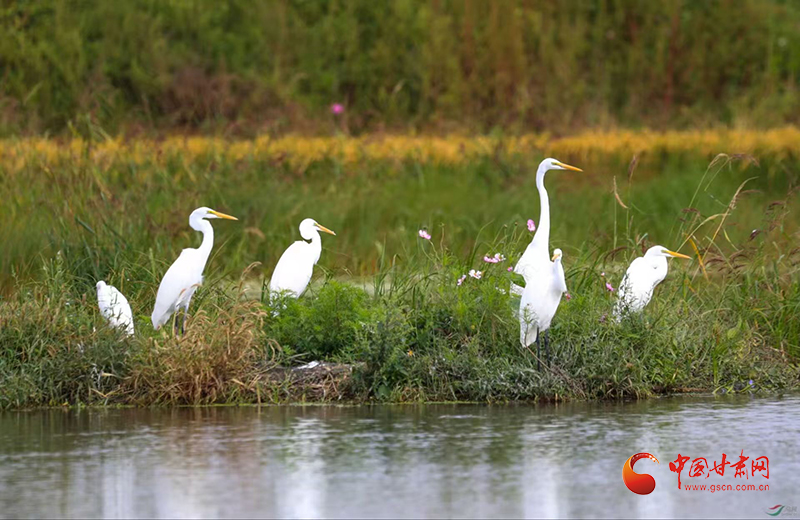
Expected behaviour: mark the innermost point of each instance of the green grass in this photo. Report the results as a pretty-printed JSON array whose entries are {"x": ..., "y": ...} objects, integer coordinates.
[{"x": 386, "y": 300}]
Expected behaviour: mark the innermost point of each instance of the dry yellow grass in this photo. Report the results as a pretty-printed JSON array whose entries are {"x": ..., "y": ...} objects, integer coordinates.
[{"x": 300, "y": 151}]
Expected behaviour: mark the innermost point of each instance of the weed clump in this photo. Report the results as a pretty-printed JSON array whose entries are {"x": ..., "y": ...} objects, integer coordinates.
[
  {"x": 51, "y": 350},
  {"x": 217, "y": 359}
]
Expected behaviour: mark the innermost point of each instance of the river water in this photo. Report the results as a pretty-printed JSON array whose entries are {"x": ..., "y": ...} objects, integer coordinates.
[{"x": 397, "y": 461}]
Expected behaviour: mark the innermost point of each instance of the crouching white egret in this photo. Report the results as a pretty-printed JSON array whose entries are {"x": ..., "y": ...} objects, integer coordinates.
[
  {"x": 641, "y": 279},
  {"x": 540, "y": 298},
  {"x": 185, "y": 275},
  {"x": 114, "y": 307},
  {"x": 296, "y": 265},
  {"x": 536, "y": 256}
]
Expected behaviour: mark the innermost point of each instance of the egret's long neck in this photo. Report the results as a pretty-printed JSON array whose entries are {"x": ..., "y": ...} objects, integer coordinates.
[
  {"x": 207, "y": 229},
  {"x": 558, "y": 276},
  {"x": 316, "y": 246},
  {"x": 541, "y": 239}
]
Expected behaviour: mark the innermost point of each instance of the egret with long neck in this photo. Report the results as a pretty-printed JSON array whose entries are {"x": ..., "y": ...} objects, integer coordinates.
[
  {"x": 185, "y": 275},
  {"x": 536, "y": 257}
]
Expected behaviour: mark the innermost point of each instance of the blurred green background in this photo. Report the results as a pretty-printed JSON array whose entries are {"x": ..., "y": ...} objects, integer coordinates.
[{"x": 243, "y": 67}]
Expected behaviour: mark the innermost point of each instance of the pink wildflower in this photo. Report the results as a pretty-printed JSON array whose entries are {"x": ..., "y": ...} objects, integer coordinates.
[
  {"x": 494, "y": 259},
  {"x": 609, "y": 287},
  {"x": 424, "y": 234},
  {"x": 531, "y": 225},
  {"x": 510, "y": 269},
  {"x": 337, "y": 109},
  {"x": 568, "y": 296},
  {"x": 461, "y": 279}
]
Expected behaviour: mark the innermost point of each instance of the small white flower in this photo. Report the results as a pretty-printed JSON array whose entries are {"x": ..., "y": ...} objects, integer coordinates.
[{"x": 475, "y": 274}]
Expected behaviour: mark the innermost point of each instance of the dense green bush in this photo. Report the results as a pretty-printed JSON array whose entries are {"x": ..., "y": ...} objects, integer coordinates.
[
  {"x": 324, "y": 326},
  {"x": 471, "y": 64}
]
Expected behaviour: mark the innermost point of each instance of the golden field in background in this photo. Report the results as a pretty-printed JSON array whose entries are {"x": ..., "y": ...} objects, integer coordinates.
[{"x": 298, "y": 151}]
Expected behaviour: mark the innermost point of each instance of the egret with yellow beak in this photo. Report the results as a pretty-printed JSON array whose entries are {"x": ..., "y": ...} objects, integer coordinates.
[
  {"x": 295, "y": 267},
  {"x": 536, "y": 258},
  {"x": 185, "y": 275},
  {"x": 641, "y": 279}
]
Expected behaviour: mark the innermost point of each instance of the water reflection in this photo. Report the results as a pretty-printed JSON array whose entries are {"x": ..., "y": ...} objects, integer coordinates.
[{"x": 388, "y": 461}]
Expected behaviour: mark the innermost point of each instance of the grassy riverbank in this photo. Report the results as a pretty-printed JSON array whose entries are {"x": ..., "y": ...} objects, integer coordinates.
[{"x": 386, "y": 301}]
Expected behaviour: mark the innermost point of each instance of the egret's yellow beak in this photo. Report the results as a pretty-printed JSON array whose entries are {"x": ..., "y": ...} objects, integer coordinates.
[
  {"x": 673, "y": 254},
  {"x": 568, "y": 167},
  {"x": 221, "y": 215},
  {"x": 554, "y": 257},
  {"x": 324, "y": 229}
]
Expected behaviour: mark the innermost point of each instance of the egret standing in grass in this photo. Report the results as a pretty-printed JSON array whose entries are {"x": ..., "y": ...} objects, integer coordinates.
[
  {"x": 641, "y": 279},
  {"x": 540, "y": 299},
  {"x": 537, "y": 255},
  {"x": 185, "y": 275},
  {"x": 114, "y": 307},
  {"x": 295, "y": 267}
]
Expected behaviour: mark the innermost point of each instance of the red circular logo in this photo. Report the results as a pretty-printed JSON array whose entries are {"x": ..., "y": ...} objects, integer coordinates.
[{"x": 639, "y": 483}]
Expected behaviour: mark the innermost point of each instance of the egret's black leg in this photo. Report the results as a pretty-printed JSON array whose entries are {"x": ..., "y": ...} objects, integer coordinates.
[
  {"x": 175, "y": 322},
  {"x": 183, "y": 325},
  {"x": 538, "y": 352},
  {"x": 547, "y": 346}
]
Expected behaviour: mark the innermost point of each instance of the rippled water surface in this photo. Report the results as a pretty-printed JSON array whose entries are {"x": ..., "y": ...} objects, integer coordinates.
[{"x": 395, "y": 461}]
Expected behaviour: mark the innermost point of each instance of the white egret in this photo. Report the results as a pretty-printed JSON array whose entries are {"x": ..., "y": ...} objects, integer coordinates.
[
  {"x": 114, "y": 307},
  {"x": 641, "y": 279},
  {"x": 185, "y": 275},
  {"x": 536, "y": 257},
  {"x": 540, "y": 299},
  {"x": 296, "y": 265}
]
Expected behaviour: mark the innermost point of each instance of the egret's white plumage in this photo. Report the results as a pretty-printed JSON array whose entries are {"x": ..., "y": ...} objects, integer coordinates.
[
  {"x": 185, "y": 275},
  {"x": 536, "y": 258},
  {"x": 295, "y": 267},
  {"x": 641, "y": 279},
  {"x": 540, "y": 298},
  {"x": 114, "y": 307}
]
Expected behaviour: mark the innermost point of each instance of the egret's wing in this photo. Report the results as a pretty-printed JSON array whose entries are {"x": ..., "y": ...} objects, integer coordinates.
[
  {"x": 535, "y": 271},
  {"x": 532, "y": 259},
  {"x": 637, "y": 286},
  {"x": 179, "y": 278},
  {"x": 540, "y": 300},
  {"x": 115, "y": 308},
  {"x": 294, "y": 269}
]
